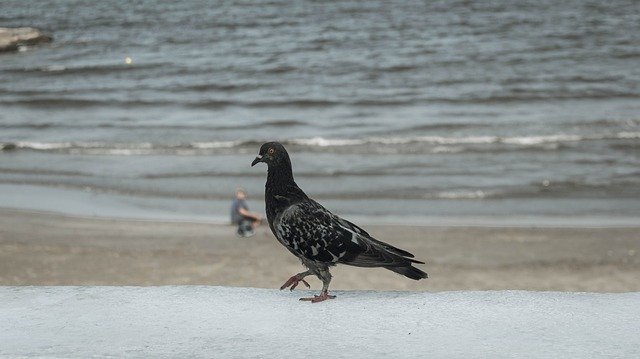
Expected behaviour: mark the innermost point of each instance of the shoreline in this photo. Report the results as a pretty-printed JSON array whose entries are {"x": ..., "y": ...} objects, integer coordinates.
[
  {"x": 90, "y": 204},
  {"x": 591, "y": 222},
  {"x": 53, "y": 249}
]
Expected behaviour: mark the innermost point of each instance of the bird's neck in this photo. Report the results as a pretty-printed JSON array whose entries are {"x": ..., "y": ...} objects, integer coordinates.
[
  {"x": 281, "y": 190},
  {"x": 279, "y": 180}
]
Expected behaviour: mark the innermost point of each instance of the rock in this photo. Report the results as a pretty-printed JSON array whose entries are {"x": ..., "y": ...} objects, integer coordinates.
[
  {"x": 8, "y": 146},
  {"x": 11, "y": 39}
]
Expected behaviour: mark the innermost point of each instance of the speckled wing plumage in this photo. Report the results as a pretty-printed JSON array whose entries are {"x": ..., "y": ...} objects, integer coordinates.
[{"x": 313, "y": 233}]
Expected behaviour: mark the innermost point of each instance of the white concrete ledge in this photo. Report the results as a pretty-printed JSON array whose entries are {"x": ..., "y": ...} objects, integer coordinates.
[{"x": 220, "y": 322}]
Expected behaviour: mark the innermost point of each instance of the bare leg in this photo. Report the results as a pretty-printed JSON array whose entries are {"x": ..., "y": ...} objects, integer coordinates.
[
  {"x": 256, "y": 222},
  {"x": 325, "y": 277},
  {"x": 293, "y": 281}
]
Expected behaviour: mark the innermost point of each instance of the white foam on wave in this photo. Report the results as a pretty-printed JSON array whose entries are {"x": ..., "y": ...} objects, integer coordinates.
[
  {"x": 442, "y": 144},
  {"x": 113, "y": 151},
  {"x": 44, "y": 145},
  {"x": 81, "y": 145},
  {"x": 459, "y": 195},
  {"x": 447, "y": 149},
  {"x": 536, "y": 140},
  {"x": 443, "y": 140},
  {"x": 334, "y": 142},
  {"x": 218, "y": 144},
  {"x": 629, "y": 135},
  {"x": 325, "y": 142},
  {"x": 457, "y": 140},
  {"x": 54, "y": 68}
]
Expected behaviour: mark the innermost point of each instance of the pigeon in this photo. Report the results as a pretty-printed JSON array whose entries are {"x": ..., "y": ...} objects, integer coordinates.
[{"x": 319, "y": 238}]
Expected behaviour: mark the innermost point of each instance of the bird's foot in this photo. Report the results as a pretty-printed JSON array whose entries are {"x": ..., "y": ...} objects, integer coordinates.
[
  {"x": 293, "y": 282},
  {"x": 318, "y": 298}
]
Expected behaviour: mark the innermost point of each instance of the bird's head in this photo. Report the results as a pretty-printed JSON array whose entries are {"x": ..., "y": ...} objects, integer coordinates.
[{"x": 273, "y": 154}]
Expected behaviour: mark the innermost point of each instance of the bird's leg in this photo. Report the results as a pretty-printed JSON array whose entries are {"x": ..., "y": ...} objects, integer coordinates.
[
  {"x": 293, "y": 281},
  {"x": 324, "y": 295},
  {"x": 325, "y": 276}
]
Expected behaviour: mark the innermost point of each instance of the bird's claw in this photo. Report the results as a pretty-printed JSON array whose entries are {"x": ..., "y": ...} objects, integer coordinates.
[
  {"x": 296, "y": 284},
  {"x": 319, "y": 298},
  {"x": 293, "y": 282}
]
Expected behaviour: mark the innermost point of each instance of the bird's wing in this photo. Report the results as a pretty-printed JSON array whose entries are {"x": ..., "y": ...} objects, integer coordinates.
[
  {"x": 374, "y": 253},
  {"x": 309, "y": 230},
  {"x": 365, "y": 236}
]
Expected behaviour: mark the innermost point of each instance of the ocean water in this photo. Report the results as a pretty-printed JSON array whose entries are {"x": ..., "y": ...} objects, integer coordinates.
[{"x": 396, "y": 109}]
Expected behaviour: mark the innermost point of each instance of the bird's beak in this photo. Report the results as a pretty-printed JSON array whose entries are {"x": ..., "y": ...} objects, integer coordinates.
[{"x": 258, "y": 159}]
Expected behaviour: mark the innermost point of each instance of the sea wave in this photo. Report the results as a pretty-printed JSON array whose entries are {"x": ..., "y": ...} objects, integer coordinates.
[
  {"x": 97, "y": 98},
  {"x": 521, "y": 95},
  {"x": 619, "y": 188},
  {"x": 68, "y": 102},
  {"x": 84, "y": 70},
  {"x": 152, "y": 126},
  {"x": 436, "y": 143},
  {"x": 465, "y": 194},
  {"x": 80, "y": 102},
  {"x": 41, "y": 172},
  {"x": 444, "y": 140}
]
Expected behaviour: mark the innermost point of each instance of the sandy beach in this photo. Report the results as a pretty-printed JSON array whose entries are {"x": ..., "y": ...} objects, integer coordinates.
[{"x": 52, "y": 249}]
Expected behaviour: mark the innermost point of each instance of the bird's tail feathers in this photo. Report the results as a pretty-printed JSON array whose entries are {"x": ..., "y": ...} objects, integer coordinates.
[
  {"x": 392, "y": 249},
  {"x": 414, "y": 261},
  {"x": 409, "y": 272}
]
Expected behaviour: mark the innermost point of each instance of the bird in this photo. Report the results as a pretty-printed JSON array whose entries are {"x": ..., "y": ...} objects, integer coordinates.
[{"x": 319, "y": 238}]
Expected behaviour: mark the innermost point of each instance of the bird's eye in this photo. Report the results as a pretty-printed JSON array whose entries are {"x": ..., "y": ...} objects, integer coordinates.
[{"x": 271, "y": 151}]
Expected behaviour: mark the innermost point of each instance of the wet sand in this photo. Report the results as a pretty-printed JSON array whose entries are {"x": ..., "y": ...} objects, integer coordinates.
[{"x": 52, "y": 249}]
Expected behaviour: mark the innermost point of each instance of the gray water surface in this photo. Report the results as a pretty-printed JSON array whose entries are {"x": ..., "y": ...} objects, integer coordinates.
[{"x": 403, "y": 109}]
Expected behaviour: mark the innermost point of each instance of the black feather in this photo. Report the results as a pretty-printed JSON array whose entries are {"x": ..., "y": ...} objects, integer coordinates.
[{"x": 409, "y": 272}]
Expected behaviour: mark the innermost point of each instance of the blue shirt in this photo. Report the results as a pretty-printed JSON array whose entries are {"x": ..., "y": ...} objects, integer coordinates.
[{"x": 236, "y": 217}]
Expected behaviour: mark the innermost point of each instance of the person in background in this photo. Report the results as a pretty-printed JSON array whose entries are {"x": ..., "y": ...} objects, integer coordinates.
[{"x": 242, "y": 217}]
